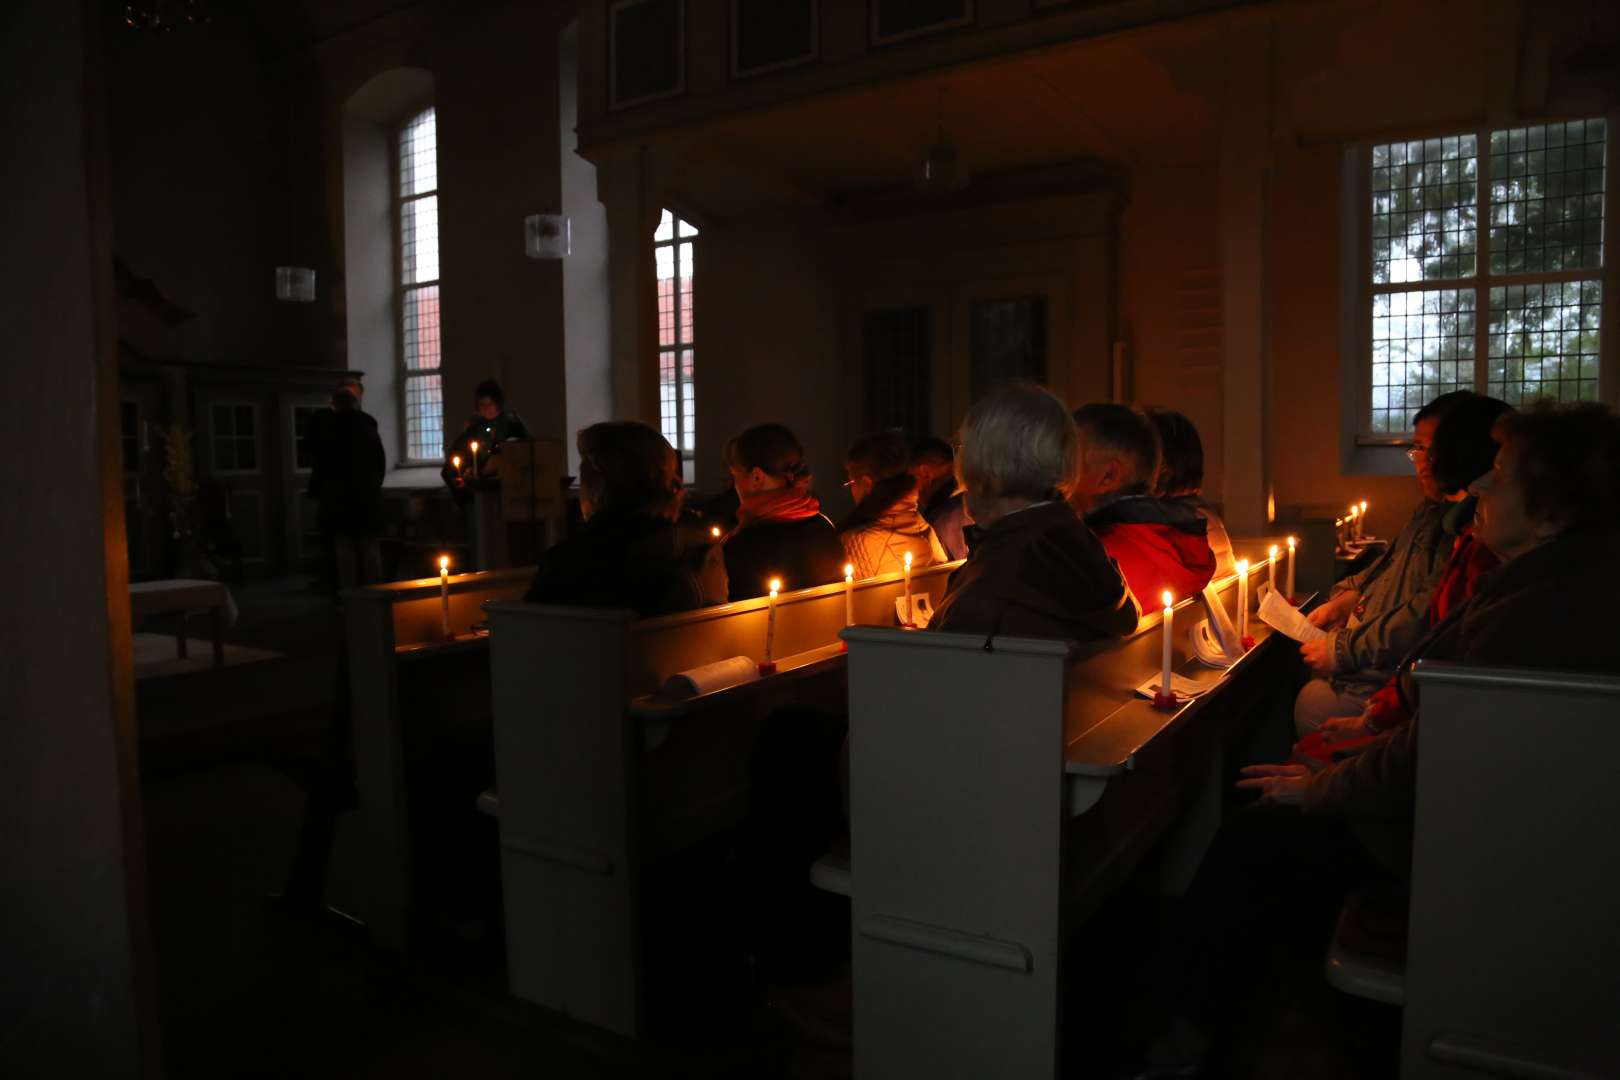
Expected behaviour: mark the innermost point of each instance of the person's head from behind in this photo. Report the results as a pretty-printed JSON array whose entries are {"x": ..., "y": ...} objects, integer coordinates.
[
  {"x": 1181, "y": 454},
  {"x": 1423, "y": 428},
  {"x": 1558, "y": 468},
  {"x": 489, "y": 400},
  {"x": 1018, "y": 446},
  {"x": 764, "y": 458},
  {"x": 933, "y": 463},
  {"x": 1464, "y": 444},
  {"x": 354, "y": 388},
  {"x": 873, "y": 459},
  {"x": 627, "y": 467},
  {"x": 1119, "y": 454}
]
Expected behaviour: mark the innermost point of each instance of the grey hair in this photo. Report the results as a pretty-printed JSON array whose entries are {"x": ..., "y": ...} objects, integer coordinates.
[{"x": 1018, "y": 442}]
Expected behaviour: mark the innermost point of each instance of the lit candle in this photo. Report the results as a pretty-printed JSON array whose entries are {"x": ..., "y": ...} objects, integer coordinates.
[
  {"x": 849, "y": 594},
  {"x": 909, "y": 620},
  {"x": 1166, "y": 693},
  {"x": 1243, "y": 599},
  {"x": 1361, "y": 519},
  {"x": 444, "y": 594},
  {"x": 1271, "y": 569},
  {"x": 1355, "y": 523},
  {"x": 770, "y": 628},
  {"x": 1290, "y": 581},
  {"x": 474, "y": 447},
  {"x": 455, "y": 463},
  {"x": 714, "y": 531}
]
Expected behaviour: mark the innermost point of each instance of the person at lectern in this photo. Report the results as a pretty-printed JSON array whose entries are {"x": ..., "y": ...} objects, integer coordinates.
[
  {"x": 886, "y": 523},
  {"x": 490, "y": 424},
  {"x": 781, "y": 531},
  {"x": 628, "y": 553},
  {"x": 1034, "y": 568}
]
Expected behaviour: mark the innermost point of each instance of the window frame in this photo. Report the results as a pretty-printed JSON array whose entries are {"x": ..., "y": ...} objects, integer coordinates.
[
  {"x": 1356, "y": 263},
  {"x": 214, "y": 468},
  {"x": 687, "y": 458},
  {"x": 404, "y": 373}
]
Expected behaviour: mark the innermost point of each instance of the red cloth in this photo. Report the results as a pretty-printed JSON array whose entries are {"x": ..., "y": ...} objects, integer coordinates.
[
  {"x": 1470, "y": 560},
  {"x": 1154, "y": 557},
  {"x": 791, "y": 503}
]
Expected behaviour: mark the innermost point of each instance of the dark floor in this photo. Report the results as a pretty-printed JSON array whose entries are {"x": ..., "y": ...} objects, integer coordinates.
[{"x": 248, "y": 991}]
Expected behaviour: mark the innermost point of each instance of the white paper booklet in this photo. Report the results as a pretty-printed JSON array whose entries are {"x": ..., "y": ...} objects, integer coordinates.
[
  {"x": 1286, "y": 619},
  {"x": 733, "y": 671},
  {"x": 1183, "y": 686},
  {"x": 922, "y": 610}
]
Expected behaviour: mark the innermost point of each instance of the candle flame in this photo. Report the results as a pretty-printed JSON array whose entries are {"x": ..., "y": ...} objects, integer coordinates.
[
  {"x": 714, "y": 531},
  {"x": 1273, "y": 551},
  {"x": 1243, "y": 567},
  {"x": 475, "y": 446},
  {"x": 1363, "y": 506},
  {"x": 1169, "y": 600},
  {"x": 456, "y": 461},
  {"x": 444, "y": 562},
  {"x": 849, "y": 571},
  {"x": 1291, "y": 542},
  {"x": 775, "y": 585},
  {"x": 908, "y": 560}
]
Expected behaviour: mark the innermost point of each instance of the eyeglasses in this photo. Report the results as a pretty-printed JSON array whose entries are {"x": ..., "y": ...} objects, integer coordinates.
[{"x": 1417, "y": 450}]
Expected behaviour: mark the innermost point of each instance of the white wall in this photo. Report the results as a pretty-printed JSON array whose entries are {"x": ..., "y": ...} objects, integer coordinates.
[
  {"x": 368, "y": 224},
  {"x": 586, "y": 313}
]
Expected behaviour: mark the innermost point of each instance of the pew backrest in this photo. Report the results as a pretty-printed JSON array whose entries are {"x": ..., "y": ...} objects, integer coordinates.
[{"x": 1513, "y": 962}]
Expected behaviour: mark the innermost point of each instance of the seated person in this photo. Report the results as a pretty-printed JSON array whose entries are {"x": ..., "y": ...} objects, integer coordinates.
[
  {"x": 781, "y": 531},
  {"x": 933, "y": 463},
  {"x": 1181, "y": 478},
  {"x": 885, "y": 523},
  {"x": 1159, "y": 543},
  {"x": 1550, "y": 510},
  {"x": 1035, "y": 569},
  {"x": 950, "y": 522},
  {"x": 1376, "y": 616},
  {"x": 490, "y": 425},
  {"x": 1464, "y": 450},
  {"x": 627, "y": 553}
]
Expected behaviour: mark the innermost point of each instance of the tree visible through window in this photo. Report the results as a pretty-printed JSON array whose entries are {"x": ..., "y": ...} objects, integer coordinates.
[
  {"x": 1486, "y": 267},
  {"x": 418, "y": 216},
  {"x": 672, "y": 249}
]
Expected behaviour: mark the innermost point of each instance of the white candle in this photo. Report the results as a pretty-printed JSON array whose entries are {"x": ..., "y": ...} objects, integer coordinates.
[
  {"x": 1355, "y": 523},
  {"x": 1271, "y": 569},
  {"x": 1290, "y": 581},
  {"x": 909, "y": 620},
  {"x": 455, "y": 463},
  {"x": 849, "y": 594},
  {"x": 1243, "y": 598},
  {"x": 770, "y": 623},
  {"x": 1361, "y": 519},
  {"x": 714, "y": 531},
  {"x": 1165, "y": 690},
  {"x": 474, "y": 448},
  {"x": 444, "y": 594}
]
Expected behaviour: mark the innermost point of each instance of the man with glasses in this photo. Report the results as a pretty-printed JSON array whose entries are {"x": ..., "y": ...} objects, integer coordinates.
[{"x": 1374, "y": 617}]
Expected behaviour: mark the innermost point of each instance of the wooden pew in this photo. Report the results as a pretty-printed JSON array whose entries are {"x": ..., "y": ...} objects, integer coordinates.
[
  {"x": 1513, "y": 956},
  {"x": 415, "y": 698},
  {"x": 599, "y": 775},
  {"x": 997, "y": 797}
]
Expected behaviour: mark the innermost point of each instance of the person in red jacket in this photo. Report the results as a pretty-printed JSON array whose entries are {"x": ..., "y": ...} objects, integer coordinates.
[
  {"x": 1464, "y": 449},
  {"x": 1160, "y": 544}
]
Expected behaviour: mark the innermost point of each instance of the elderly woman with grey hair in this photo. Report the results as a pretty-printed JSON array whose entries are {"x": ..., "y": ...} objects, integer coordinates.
[{"x": 1035, "y": 569}]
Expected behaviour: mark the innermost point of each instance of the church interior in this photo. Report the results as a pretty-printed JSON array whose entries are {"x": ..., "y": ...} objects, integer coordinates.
[{"x": 995, "y": 647}]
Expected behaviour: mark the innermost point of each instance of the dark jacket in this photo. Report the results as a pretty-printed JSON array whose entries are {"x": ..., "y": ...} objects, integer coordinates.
[
  {"x": 949, "y": 522},
  {"x": 619, "y": 560},
  {"x": 1159, "y": 544},
  {"x": 803, "y": 553},
  {"x": 1546, "y": 610},
  {"x": 1395, "y": 595},
  {"x": 346, "y": 477},
  {"x": 1039, "y": 573},
  {"x": 489, "y": 434}
]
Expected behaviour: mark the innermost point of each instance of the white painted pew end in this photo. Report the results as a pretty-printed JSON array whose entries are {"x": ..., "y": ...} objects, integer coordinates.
[{"x": 1358, "y": 973}]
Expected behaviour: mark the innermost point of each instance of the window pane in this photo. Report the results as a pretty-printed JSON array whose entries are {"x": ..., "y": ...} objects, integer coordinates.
[
  {"x": 896, "y": 355},
  {"x": 685, "y": 229},
  {"x": 668, "y": 413},
  {"x": 1422, "y": 347},
  {"x": 1544, "y": 342},
  {"x": 419, "y": 155},
  {"x": 424, "y": 417},
  {"x": 420, "y": 330},
  {"x": 419, "y": 240},
  {"x": 1547, "y": 197},
  {"x": 684, "y": 308},
  {"x": 688, "y": 402},
  {"x": 666, "y": 227},
  {"x": 1424, "y": 195},
  {"x": 1009, "y": 342},
  {"x": 244, "y": 420},
  {"x": 665, "y": 258}
]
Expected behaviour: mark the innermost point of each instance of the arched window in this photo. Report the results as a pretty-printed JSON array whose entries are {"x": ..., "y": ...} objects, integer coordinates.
[
  {"x": 677, "y": 405},
  {"x": 416, "y": 205}
]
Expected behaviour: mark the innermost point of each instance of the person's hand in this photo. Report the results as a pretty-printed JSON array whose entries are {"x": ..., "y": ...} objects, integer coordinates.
[
  {"x": 1334, "y": 613},
  {"x": 1278, "y": 785},
  {"x": 1338, "y": 729},
  {"x": 1318, "y": 656}
]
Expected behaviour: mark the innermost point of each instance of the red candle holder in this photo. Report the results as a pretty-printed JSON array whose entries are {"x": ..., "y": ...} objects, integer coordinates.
[
  {"x": 1248, "y": 643},
  {"x": 1162, "y": 700},
  {"x": 767, "y": 667}
]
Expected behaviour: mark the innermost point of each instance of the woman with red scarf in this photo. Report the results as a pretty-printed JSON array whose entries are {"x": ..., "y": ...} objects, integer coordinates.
[{"x": 781, "y": 531}]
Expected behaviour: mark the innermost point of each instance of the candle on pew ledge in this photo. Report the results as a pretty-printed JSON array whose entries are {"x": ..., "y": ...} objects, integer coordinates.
[
  {"x": 910, "y": 621},
  {"x": 1361, "y": 520},
  {"x": 1355, "y": 522},
  {"x": 1166, "y": 694},
  {"x": 1243, "y": 602},
  {"x": 444, "y": 594},
  {"x": 1271, "y": 569},
  {"x": 768, "y": 667},
  {"x": 849, "y": 594},
  {"x": 474, "y": 447},
  {"x": 1290, "y": 581},
  {"x": 455, "y": 463}
]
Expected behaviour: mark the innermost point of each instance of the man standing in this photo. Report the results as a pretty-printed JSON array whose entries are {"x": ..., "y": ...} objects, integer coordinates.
[
  {"x": 1375, "y": 616},
  {"x": 346, "y": 484}
]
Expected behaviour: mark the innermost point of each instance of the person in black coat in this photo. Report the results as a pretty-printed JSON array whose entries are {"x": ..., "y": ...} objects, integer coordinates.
[
  {"x": 628, "y": 553},
  {"x": 781, "y": 531},
  {"x": 346, "y": 483}
]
